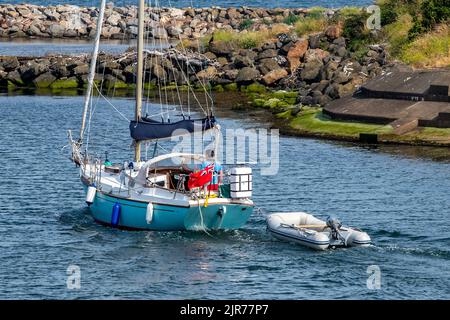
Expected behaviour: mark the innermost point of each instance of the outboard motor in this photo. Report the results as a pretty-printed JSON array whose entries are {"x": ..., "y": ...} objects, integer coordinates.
[{"x": 334, "y": 224}]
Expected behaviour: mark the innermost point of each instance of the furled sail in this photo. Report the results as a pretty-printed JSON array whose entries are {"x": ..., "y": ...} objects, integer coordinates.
[{"x": 149, "y": 129}]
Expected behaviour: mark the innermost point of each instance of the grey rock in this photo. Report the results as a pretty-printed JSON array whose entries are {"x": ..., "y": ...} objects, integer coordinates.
[
  {"x": 267, "y": 65},
  {"x": 14, "y": 77},
  {"x": 56, "y": 30},
  {"x": 9, "y": 63},
  {"x": 231, "y": 74},
  {"x": 311, "y": 70},
  {"x": 314, "y": 41},
  {"x": 247, "y": 74},
  {"x": 221, "y": 48},
  {"x": 174, "y": 31},
  {"x": 341, "y": 52},
  {"x": 159, "y": 33},
  {"x": 32, "y": 69},
  {"x": 159, "y": 72},
  {"x": 341, "y": 78},
  {"x": 339, "y": 41},
  {"x": 242, "y": 61},
  {"x": 305, "y": 100},
  {"x": 34, "y": 31},
  {"x": 81, "y": 69},
  {"x": 332, "y": 91},
  {"x": 44, "y": 80},
  {"x": 269, "y": 45},
  {"x": 269, "y": 53}
]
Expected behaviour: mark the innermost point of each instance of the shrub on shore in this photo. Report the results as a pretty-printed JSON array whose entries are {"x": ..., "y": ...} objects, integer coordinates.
[
  {"x": 310, "y": 24},
  {"x": 430, "y": 50},
  {"x": 396, "y": 34},
  {"x": 417, "y": 31},
  {"x": 246, "y": 39}
]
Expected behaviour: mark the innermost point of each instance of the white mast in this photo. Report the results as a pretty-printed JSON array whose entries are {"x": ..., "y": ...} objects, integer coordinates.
[
  {"x": 92, "y": 67},
  {"x": 140, "y": 69}
]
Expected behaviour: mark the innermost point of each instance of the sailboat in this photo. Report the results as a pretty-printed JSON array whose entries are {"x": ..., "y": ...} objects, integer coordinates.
[{"x": 168, "y": 192}]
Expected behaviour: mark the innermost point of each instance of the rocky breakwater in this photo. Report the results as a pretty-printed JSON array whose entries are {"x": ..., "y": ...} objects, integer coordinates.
[
  {"x": 317, "y": 68},
  {"x": 69, "y": 21}
]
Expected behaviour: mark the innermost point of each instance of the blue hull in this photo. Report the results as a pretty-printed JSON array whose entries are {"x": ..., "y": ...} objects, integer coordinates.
[{"x": 169, "y": 217}]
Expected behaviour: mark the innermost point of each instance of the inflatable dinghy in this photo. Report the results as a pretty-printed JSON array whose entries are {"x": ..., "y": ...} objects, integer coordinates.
[{"x": 307, "y": 230}]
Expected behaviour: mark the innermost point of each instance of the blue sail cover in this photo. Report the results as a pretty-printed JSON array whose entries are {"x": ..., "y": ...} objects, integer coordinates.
[{"x": 149, "y": 129}]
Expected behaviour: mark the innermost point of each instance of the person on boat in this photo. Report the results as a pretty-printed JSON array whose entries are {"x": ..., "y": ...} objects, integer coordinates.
[{"x": 218, "y": 170}]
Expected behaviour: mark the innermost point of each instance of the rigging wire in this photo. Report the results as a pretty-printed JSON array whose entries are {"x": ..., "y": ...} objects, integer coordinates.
[
  {"x": 189, "y": 66},
  {"x": 174, "y": 75},
  {"x": 114, "y": 107}
]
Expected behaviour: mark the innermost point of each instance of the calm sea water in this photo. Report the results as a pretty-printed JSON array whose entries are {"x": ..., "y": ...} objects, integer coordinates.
[
  {"x": 399, "y": 195},
  {"x": 42, "y": 47},
  {"x": 207, "y": 3}
]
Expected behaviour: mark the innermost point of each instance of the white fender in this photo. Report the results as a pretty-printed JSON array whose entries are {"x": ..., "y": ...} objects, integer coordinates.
[
  {"x": 90, "y": 195},
  {"x": 149, "y": 215}
]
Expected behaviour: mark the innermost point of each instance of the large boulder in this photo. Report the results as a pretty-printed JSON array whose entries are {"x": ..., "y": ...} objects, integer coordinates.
[
  {"x": 316, "y": 54},
  {"x": 159, "y": 72},
  {"x": 113, "y": 19},
  {"x": 207, "y": 74},
  {"x": 311, "y": 70},
  {"x": 232, "y": 14},
  {"x": 296, "y": 53},
  {"x": 9, "y": 63},
  {"x": 222, "y": 48},
  {"x": 174, "y": 31},
  {"x": 341, "y": 77},
  {"x": 242, "y": 61},
  {"x": 334, "y": 31},
  {"x": 267, "y": 65},
  {"x": 231, "y": 74},
  {"x": 320, "y": 99},
  {"x": 269, "y": 53},
  {"x": 159, "y": 33},
  {"x": 33, "y": 68},
  {"x": 34, "y": 31},
  {"x": 314, "y": 40},
  {"x": 14, "y": 77},
  {"x": 247, "y": 74},
  {"x": 44, "y": 80},
  {"x": 274, "y": 76},
  {"x": 56, "y": 30},
  {"x": 332, "y": 91},
  {"x": 81, "y": 69}
]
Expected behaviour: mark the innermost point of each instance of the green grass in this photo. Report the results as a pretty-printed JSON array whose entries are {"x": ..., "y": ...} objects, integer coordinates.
[
  {"x": 396, "y": 34},
  {"x": 348, "y": 11},
  {"x": 252, "y": 39},
  {"x": 316, "y": 12},
  {"x": 428, "y": 133},
  {"x": 314, "y": 121},
  {"x": 224, "y": 35},
  {"x": 310, "y": 25},
  {"x": 291, "y": 19},
  {"x": 431, "y": 50},
  {"x": 244, "y": 40},
  {"x": 246, "y": 24}
]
